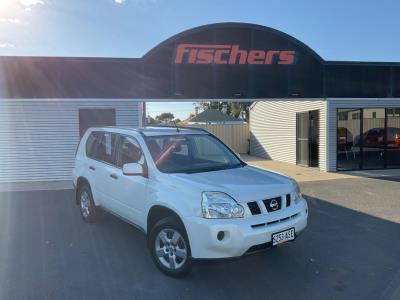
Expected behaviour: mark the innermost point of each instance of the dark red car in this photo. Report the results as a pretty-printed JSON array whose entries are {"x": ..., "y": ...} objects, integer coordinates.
[{"x": 375, "y": 137}]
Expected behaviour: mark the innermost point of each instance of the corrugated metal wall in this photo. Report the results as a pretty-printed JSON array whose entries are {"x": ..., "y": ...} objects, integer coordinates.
[
  {"x": 235, "y": 136},
  {"x": 333, "y": 104},
  {"x": 38, "y": 138},
  {"x": 273, "y": 129}
]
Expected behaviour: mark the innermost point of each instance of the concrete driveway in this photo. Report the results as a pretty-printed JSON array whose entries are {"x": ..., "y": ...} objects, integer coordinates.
[
  {"x": 47, "y": 252},
  {"x": 302, "y": 174}
]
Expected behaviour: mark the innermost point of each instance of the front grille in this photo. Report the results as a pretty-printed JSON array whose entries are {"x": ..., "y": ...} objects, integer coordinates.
[
  {"x": 273, "y": 204},
  {"x": 254, "y": 208},
  {"x": 274, "y": 222},
  {"x": 287, "y": 200}
]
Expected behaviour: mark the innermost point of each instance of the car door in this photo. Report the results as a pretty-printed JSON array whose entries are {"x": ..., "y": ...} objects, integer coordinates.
[
  {"x": 131, "y": 189},
  {"x": 105, "y": 173},
  {"x": 94, "y": 164}
]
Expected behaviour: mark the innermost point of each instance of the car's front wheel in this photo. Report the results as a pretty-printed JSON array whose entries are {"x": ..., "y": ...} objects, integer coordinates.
[{"x": 169, "y": 247}]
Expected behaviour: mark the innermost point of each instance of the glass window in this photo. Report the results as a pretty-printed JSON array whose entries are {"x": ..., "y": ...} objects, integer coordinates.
[
  {"x": 393, "y": 139},
  {"x": 343, "y": 116},
  {"x": 103, "y": 149},
  {"x": 348, "y": 139},
  {"x": 379, "y": 141},
  {"x": 89, "y": 144},
  {"x": 92, "y": 144},
  {"x": 129, "y": 151},
  {"x": 373, "y": 138},
  {"x": 190, "y": 153},
  {"x": 209, "y": 149}
]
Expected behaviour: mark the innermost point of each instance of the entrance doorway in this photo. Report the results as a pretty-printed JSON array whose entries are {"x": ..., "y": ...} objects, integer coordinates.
[{"x": 307, "y": 138}]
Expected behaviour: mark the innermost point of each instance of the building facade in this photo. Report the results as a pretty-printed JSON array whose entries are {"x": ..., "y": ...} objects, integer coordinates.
[
  {"x": 333, "y": 115},
  {"x": 331, "y": 134}
]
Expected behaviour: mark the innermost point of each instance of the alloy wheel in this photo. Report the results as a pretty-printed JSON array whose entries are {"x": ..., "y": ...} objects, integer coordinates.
[
  {"x": 171, "y": 249},
  {"x": 85, "y": 204}
]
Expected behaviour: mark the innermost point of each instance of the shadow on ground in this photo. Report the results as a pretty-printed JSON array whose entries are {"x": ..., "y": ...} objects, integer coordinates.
[{"x": 47, "y": 252}]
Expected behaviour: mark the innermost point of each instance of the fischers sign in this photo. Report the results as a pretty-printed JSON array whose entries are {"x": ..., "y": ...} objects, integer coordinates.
[{"x": 231, "y": 55}]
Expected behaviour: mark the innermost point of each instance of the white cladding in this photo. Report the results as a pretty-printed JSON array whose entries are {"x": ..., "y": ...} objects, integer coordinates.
[
  {"x": 38, "y": 138},
  {"x": 273, "y": 128}
]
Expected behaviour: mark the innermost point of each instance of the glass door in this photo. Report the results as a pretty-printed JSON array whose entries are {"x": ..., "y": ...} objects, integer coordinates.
[
  {"x": 307, "y": 138},
  {"x": 348, "y": 138},
  {"x": 314, "y": 138},
  {"x": 393, "y": 138},
  {"x": 373, "y": 138},
  {"x": 302, "y": 139}
]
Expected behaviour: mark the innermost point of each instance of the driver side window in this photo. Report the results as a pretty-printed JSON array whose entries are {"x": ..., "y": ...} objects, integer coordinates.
[{"x": 129, "y": 151}]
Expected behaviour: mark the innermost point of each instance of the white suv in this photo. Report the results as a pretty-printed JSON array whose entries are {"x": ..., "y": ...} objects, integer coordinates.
[{"x": 191, "y": 194}]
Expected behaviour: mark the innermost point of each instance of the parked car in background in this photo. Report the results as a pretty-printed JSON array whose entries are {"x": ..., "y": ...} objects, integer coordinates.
[
  {"x": 374, "y": 137},
  {"x": 393, "y": 137},
  {"x": 192, "y": 196}
]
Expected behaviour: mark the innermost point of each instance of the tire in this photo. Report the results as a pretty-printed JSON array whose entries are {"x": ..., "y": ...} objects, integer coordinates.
[
  {"x": 169, "y": 247},
  {"x": 88, "y": 209}
]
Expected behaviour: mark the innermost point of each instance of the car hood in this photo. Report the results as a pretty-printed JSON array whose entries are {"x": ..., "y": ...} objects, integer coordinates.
[{"x": 244, "y": 184}]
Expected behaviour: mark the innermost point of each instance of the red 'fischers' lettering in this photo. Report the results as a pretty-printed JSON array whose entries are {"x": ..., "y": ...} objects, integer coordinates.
[{"x": 231, "y": 55}]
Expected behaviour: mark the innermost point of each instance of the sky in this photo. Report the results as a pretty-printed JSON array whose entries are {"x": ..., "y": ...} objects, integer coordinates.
[{"x": 365, "y": 30}]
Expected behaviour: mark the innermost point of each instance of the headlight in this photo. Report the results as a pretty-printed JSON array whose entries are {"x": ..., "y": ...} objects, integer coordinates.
[
  {"x": 218, "y": 205},
  {"x": 295, "y": 195}
]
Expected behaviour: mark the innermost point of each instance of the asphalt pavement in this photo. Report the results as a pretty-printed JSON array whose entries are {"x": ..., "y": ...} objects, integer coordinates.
[{"x": 350, "y": 250}]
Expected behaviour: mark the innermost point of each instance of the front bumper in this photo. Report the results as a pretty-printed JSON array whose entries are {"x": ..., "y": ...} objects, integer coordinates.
[{"x": 241, "y": 234}]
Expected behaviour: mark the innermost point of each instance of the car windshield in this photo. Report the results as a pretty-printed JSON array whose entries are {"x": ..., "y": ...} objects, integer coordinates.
[{"x": 191, "y": 153}]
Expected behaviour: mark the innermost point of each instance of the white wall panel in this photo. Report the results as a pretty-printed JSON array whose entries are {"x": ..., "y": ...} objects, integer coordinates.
[
  {"x": 273, "y": 129},
  {"x": 38, "y": 138}
]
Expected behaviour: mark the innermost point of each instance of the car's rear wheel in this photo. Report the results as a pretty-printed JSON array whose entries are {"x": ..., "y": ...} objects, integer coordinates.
[
  {"x": 169, "y": 247},
  {"x": 88, "y": 209}
]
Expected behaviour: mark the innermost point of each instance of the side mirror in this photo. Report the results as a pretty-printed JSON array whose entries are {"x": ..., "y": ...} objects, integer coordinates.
[{"x": 133, "y": 169}]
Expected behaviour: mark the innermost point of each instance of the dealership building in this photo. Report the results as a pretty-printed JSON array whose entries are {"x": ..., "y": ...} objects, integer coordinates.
[{"x": 333, "y": 115}]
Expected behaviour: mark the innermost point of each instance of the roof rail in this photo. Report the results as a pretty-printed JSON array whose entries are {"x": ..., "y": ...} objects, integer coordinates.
[
  {"x": 195, "y": 128},
  {"x": 178, "y": 127},
  {"x": 117, "y": 127}
]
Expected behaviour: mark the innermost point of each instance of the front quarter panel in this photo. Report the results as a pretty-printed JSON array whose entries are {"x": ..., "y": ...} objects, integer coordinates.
[{"x": 184, "y": 201}]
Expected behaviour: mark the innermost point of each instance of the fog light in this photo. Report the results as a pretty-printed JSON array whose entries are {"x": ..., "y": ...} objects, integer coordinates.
[{"x": 220, "y": 235}]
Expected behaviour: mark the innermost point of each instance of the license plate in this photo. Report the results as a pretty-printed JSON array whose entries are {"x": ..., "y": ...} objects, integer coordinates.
[{"x": 283, "y": 236}]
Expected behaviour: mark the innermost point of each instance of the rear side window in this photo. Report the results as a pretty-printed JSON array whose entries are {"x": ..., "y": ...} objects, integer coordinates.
[
  {"x": 101, "y": 146},
  {"x": 92, "y": 144},
  {"x": 106, "y": 148}
]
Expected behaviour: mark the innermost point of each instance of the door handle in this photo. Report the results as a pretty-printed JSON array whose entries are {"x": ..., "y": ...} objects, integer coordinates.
[
  {"x": 92, "y": 168},
  {"x": 114, "y": 176}
]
